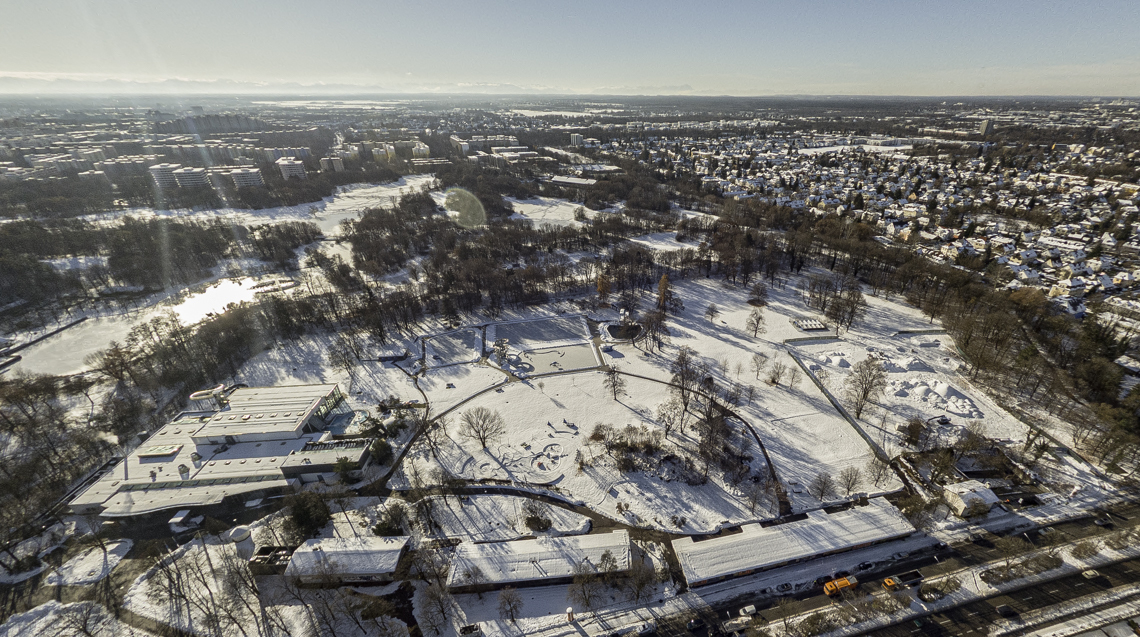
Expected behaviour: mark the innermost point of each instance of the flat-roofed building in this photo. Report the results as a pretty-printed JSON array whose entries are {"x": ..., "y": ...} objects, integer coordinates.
[
  {"x": 759, "y": 548},
  {"x": 291, "y": 168},
  {"x": 346, "y": 560},
  {"x": 541, "y": 561},
  {"x": 247, "y": 177},
  {"x": 255, "y": 439},
  {"x": 163, "y": 175},
  {"x": 191, "y": 177}
]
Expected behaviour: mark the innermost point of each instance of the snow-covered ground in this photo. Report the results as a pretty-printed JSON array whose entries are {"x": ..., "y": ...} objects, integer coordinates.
[
  {"x": 547, "y": 423},
  {"x": 449, "y": 348},
  {"x": 802, "y": 432},
  {"x": 40, "y": 545},
  {"x": 91, "y": 565},
  {"x": 547, "y": 211},
  {"x": 82, "y": 619},
  {"x": 498, "y": 518}
]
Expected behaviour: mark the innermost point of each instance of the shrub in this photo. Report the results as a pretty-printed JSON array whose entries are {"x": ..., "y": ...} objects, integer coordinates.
[{"x": 1085, "y": 550}]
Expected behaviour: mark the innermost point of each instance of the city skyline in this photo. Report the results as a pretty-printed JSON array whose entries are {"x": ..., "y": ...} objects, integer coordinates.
[{"x": 734, "y": 48}]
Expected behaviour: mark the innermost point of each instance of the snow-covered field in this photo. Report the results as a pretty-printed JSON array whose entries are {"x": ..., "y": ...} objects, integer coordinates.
[
  {"x": 82, "y": 619},
  {"x": 498, "y": 518},
  {"x": 546, "y": 211},
  {"x": 546, "y": 429},
  {"x": 449, "y": 348},
  {"x": 91, "y": 565}
]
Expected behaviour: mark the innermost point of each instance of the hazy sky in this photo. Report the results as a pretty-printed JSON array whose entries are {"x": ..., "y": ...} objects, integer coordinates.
[{"x": 885, "y": 47}]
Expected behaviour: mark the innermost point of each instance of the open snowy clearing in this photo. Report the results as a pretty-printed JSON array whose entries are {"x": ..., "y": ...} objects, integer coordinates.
[
  {"x": 541, "y": 333},
  {"x": 545, "y": 438},
  {"x": 546, "y": 211},
  {"x": 83, "y": 619},
  {"x": 498, "y": 518},
  {"x": 91, "y": 565},
  {"x": 450, "y": 348},
  {"x": 802, "y": 432}
]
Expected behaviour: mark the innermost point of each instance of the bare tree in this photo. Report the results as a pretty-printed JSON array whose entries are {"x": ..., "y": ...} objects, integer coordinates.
[
  {"x": 712, "y": 311},
  {"x": 510, "y": 604},
  {"x": 758, "y": 295},
  {"x": 850, "y": 479},
  {"x": 822, "y": 486},
  {"x": 867, "y": 381},
  {"x": 1010, "y": 547},
  {"x": 482, "y": 425},
  {"x": 669, "y": 414},
  {"x": 614, "y": 381},
  {"x": 585, "y": 588},
  {"x": 753, "y": 493},
  {"x": 794, "y": 375},
  {"x": 776, "y": 372},
  {"x": 759, "y": 362},
  {"x": 877, "y": 470},
  {"x": 640, "y": 579},
  {"x": 755, "y": 323}
]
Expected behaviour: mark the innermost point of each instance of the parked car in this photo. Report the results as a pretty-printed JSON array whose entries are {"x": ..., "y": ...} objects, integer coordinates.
[
  {"x": 1006, "y": 611},
  {"x": 695, "y": 624},
  {"x": 1105, "y": 521},
  {"x": 1090, "y": 574},
  {"x": 748, "y": 611}
]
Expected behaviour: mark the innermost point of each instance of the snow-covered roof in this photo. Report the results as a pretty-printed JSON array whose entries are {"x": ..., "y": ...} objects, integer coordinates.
[
  {"x": 352, "y": 556},
  {"x": 757, "y": 548},
  {"x": 537, "y": 559},
  {"x": 972, "y": 490}
]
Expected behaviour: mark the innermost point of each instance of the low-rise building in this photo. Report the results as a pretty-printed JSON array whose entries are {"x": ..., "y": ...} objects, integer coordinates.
[{"x": 346, "y": 560}]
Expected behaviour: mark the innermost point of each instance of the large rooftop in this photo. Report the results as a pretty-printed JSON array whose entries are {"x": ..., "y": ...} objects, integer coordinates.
[
  {"x": 757, "y": 548},
  {"x": 538, "y": 559}
]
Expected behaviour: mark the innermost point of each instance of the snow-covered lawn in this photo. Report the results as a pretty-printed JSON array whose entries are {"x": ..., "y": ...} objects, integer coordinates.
[
  {"x": 91, "y": 565},
  {"x": 83, "y": 619},
  {"x": 545, "y": 438},
  {"x": 498, "y": 518},
  {"x": 803, "y": 433},
  {"x": 450, "y": 348},
  {"x": 546, "y": 211},
  {"x": 40, "y": 545}
]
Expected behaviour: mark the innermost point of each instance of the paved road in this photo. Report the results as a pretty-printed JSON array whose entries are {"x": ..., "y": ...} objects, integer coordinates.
[{"x": 976, "y": 619}]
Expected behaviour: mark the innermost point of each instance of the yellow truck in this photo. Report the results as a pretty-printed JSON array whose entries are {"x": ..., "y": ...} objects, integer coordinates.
[{"x": 837, "y": 586}]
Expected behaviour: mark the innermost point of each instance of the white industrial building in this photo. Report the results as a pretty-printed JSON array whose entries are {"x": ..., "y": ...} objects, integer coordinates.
[
  {"x": 361, "y": 559},
  {"x": 291, "y": 168},
  {"x": 251, "y": 439},
  {"x": 758, "y": 548},
  {"x": 541, "y": 561}
]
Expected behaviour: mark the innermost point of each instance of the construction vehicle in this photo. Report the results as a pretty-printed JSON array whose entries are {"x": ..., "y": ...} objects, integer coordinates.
[
  {"x": 906, "y": 580},
  {"x": 837, "y": 586}
]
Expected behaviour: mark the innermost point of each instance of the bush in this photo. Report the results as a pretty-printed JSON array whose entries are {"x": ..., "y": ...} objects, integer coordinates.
[
  {"x": 1085, "y": 550},
  {"x": 934, "y": 591}
]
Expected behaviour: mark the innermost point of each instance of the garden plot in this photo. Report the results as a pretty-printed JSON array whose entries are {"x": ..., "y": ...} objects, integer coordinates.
[
  {"x": 498, "y": 518},
  {"x": 546, "y": 429},
  {"x": 451, "y": 348},
  {"x": 91, "y": 565}
]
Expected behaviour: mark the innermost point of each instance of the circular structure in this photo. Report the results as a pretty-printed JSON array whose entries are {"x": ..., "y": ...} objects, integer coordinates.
[{"x": 207, "y": 394}]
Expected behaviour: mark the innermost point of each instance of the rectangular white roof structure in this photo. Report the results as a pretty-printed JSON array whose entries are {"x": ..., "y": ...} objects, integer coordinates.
[
  {"x": 347, "y": 557},
  {"x": 179, "y": 467},
  {"x": 758, "y": 548},
  {"x": 265, "y": 412},
  {"x": 540, "y": 559}
]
